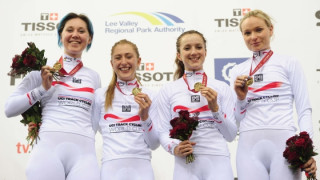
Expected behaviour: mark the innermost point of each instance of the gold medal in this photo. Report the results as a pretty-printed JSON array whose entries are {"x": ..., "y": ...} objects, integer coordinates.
[
  {"x": 197, "y": 86},
  {"x": 249, "y": 82},
  {"x": 57, "y": 66},
  {"x": 136, "y": 91}
]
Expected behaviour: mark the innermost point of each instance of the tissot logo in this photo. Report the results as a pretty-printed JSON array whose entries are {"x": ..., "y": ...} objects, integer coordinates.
[
  {"x": 225, "y": 23},
  {"x": 146, "y": 72},
  {"x": 49, "y": 16},
  {"x": 318, "y": 17},
  {"x": 146, "y": 67},
  {"x": 47, "y": 23},
  {"x": 149, "y": 66}
]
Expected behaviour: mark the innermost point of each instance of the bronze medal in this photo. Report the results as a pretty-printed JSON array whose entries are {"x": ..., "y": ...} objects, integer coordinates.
[
  {"x": 136, "y": 91},
  {"x": 249, "y": 82},
  {"x": 197, "y": 86}
]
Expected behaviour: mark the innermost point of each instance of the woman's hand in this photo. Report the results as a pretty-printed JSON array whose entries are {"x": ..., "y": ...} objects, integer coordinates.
[
  {"x": 144, "y": 104},
  {"x": 32, "y": 126},
  {"x": 211, "y": 96},
  {"x": 184, "y": 148},
  {"x": 241, "y": 87},
  {"x": 46, "y": 77},
  {"x": 310, "y": 167}
]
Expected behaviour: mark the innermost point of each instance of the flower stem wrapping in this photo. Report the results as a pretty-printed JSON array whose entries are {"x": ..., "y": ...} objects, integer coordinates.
[
  {"x": 190, "y": 158},
  {"x": 32, "y": 116}
]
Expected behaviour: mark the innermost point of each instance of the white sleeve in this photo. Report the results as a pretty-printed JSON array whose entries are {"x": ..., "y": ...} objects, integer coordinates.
[
  {"x": 301, "y": 96},
  {"x": 240, "y": 109},
  {"x": 225, "y": 115},
  {"x": 28, "y": 92},
  {"x": 150, "y": 134},
  {"x": 96, "y": 107},
  {"x": 240, "y": 106},
  {"x": 96, "y": 111},
  {"x": 98, "y": 80},
  {"x": 163, "y": 122}
]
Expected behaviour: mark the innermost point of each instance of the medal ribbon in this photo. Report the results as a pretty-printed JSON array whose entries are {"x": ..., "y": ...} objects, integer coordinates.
[
  {"x": 204, "y": 81},
  {"x": 73, "y": 71},
  {"x": 262, "y": 62},
  {"x": 118, "y": 87}
]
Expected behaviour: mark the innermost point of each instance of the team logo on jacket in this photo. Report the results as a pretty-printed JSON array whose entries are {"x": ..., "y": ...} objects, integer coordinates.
[
  {"x": 119, "y": 124},
  {"x": 195, "y": 98},
  {"x": 75, "y": 80},
  {"x": 189, "y": 74},
  {"x": 121, "y": 83},
  {"x": 126, "y": 108},
  {"x": 258, "y": 77}
]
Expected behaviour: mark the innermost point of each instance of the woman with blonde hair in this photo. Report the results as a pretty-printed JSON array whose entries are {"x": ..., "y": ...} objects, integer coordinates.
[
  {"x": 124, "y": 114},
  {"x": 266, "y": 86}
]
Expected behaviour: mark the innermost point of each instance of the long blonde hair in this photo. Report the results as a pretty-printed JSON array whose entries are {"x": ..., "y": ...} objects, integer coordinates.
[
  {"x": 180, "y": 66},
  {"x": 259, "y": 14},
  {"x": 110, "y": 91}
]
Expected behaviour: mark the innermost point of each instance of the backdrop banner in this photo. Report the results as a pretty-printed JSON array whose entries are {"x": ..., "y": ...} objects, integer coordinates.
[{"x": 154, "y": 27}]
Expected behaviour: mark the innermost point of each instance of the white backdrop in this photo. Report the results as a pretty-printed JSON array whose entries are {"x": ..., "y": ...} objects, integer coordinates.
[{"x": 154, "y": 27}]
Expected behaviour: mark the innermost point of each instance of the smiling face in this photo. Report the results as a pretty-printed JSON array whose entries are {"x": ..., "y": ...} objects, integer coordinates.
[
  {"x": 256, "y": 33},
  {"x": 125, "y": 61},
  {"x": 75, "y": 37},
  {"x": 192, "y": 52}
]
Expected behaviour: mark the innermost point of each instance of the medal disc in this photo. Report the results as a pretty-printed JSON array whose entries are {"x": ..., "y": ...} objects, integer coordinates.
[
  {"x": 249, "y": 82},
  {"x": 197, "y": 86},
  {"x": 57, "y": 66},
  {"x": 136, "y": 91}
]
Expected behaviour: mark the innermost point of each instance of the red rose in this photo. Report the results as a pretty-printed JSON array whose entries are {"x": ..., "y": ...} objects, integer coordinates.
[
  {"x": 181, "y": 127},
  {"x": 184, "y": 113},
  {"x": 291, "y": 140},
  {"x": 174, "y": 121},
  {"x": 173, "y": 133},
  {"x": 179, "y": 132},
  {"x": 286, "y": 152},
  {"x": 29, "y": 61},
  {"x": 293, "y": 156},
  {"x": 24, "y": 52},
  {"x": 304, "y": 134},
  {"x": 15, "y": 62},
  {"x": 298, "y": 151},
  {"x": 300, "y": 142}
]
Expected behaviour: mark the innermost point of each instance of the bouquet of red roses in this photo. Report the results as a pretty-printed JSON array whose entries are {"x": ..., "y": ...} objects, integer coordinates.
[
  {"x": 182, "y": 128},
  {"x": 298, "y": 151},
  {"x": 30, "y": 59}
]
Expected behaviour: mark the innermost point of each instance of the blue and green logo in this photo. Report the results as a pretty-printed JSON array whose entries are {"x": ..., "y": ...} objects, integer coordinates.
[
  {"x": 158, "y": 18},
  {"x": 125, "y": 22}
]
